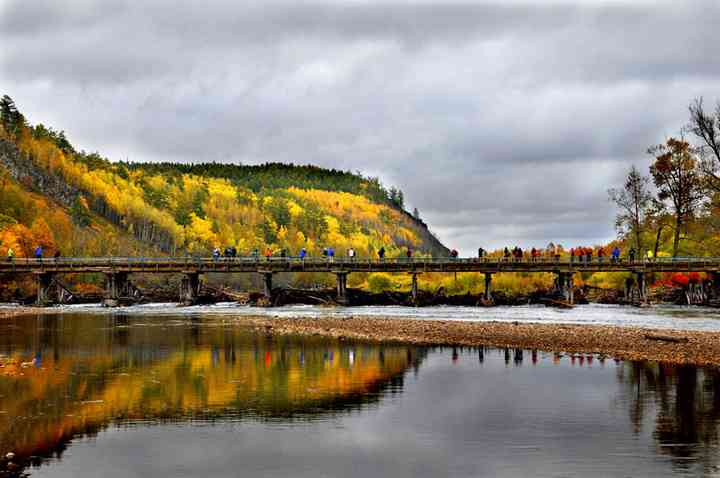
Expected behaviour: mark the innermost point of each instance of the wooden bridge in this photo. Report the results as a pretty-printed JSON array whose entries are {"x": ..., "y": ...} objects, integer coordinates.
[{"x": 117, "y": 270}]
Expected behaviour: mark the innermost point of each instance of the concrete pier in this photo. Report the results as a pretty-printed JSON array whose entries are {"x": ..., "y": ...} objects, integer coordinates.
[
  {"x": 190, "y": 288},
  {"x": 267, "y": 281},
  {"x": 640, "y": 281},
  {"x": 117, "y": 287},
  {"x": 44, "y": 281},
  {"x": 564, "y": 284},
  {"x": 414, "y": 287},
  {"x": 488, "y": 287},
  {"x": 342, "y": 297}
]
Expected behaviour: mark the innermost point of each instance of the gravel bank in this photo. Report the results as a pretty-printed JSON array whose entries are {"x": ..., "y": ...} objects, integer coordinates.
[{"x": 629, "y": 343}]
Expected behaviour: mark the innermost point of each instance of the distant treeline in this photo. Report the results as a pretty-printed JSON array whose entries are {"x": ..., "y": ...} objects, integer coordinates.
[{"x": 270, "y": 176}]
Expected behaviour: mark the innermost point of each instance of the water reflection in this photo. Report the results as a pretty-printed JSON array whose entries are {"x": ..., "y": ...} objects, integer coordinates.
[
  {"x": 454, "y": 411},
  {"x": 682, "y": 403},
  {"x": 66, "y": 377}
]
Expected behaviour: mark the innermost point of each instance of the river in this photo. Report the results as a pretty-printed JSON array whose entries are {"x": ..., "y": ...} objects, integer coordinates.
[
  {"x": 656, "y": 317},
  {"x": 158, "y": 391}
]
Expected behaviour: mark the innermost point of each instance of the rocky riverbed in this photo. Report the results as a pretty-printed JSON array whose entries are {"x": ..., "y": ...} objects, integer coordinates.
[{"x": 677, "y": 347}]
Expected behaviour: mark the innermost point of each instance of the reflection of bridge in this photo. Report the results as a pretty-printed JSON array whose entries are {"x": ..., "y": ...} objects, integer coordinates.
[{"x": 117, "y": 269}]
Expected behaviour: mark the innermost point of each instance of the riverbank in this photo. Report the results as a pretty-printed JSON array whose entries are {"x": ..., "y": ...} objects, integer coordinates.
[{"x": 628, "y": 343}]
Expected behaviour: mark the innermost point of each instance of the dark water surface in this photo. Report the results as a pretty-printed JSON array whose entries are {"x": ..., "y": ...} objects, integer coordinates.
[{"x": 141, "y": 396}]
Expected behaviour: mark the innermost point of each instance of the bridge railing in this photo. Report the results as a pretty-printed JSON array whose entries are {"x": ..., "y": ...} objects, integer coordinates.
[{"x": 340, "y": 260}]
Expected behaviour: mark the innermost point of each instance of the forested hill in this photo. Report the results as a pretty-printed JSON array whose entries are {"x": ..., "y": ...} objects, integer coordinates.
[
  {"x": 183, "y": 208},
  {"x": 281, "y": 176}
]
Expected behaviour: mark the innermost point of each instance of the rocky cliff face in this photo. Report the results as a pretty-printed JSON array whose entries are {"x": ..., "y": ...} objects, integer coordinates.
[
  {"x": 27, "y": 173},
  {"x": 437, "y": 248}
]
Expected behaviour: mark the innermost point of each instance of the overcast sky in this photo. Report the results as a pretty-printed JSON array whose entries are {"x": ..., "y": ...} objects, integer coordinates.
[{"x": 504, "y": 122}]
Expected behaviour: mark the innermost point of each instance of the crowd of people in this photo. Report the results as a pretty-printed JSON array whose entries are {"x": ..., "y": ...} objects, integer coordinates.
[{"x": 575, "y": 254}]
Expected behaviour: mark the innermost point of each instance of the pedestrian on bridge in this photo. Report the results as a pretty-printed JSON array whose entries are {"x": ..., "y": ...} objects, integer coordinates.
[
  {"x": 615, "y": 254},
  {"x": 10, "y": 254},
  {"x": 409, "y": 253},
  {"x": 381, "y": 254},
  {"x": 303, "y": 253},
  {"x": 601, "y": 254},
  {"x": 216, "y": 254},
  {"x": 38, "y": 252},
  {"x": 631, "y": 254}
]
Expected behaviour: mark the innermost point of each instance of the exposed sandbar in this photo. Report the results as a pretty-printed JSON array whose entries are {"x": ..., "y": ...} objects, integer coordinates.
[{"x": 629, "y": 343}]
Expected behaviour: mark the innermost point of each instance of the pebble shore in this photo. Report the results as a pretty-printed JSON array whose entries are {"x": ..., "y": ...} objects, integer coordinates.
[{"x": 628, "y": 343}]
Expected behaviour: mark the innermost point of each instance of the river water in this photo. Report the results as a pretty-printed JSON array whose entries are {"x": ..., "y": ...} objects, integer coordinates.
[
  {"x": 658, "y": 316},
  {"x": 187, "y": 393}
]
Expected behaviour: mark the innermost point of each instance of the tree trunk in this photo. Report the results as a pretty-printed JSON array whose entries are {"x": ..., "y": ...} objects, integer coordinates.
[
  {"x": 657, "y": 241},
  {"x": 676, "y": 239}
]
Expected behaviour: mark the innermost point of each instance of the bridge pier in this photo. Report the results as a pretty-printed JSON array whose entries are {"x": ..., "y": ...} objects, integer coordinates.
[
  {"x": 44, "y": 281},
  {"x": 190, "y": 288},
  {"x": 342, "y": 297},
  {"x": 640, "y": 281},
  {"x": 565, "y": 286},
  {"x": 714, "y": 292},
  {"x": 414, "y": 287},
  {"x": 267, "y": 277},
  {"x": 117, "y": 286},
  {"x": 488, "y": 287}
]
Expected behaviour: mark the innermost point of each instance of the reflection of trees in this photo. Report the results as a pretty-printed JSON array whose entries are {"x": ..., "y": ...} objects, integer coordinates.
[
  {"x": 85, "y": 377},
  {"x": 686, "y": 403}
]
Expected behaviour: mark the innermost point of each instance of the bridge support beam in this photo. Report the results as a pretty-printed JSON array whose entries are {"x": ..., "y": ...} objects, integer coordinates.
[
  {"x": 190, "y": 288},
  {"x": 488, "y": 287},
  {"x": 117, "y": 286},
  {"x": 44, "y": 281},
  {"x": 342, "y": 297},
  {"x": 267, "y": 281}
]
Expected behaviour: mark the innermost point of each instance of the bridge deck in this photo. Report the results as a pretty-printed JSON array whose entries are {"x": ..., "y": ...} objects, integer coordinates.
[{"x": 343, "y": 264}]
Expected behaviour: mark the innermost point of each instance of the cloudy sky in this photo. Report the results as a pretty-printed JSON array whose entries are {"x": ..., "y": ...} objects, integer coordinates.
[{"x": 504, "y": 122}]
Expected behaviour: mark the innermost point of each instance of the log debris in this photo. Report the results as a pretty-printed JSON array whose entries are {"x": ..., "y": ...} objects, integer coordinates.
[{"x": 666, "y": 338}]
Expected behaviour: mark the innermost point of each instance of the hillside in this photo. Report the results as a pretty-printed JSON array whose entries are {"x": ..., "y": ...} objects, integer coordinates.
[{"x": 51, "y": 194}]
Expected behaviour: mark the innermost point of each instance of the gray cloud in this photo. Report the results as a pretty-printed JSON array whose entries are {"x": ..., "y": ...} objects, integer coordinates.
[{"x": 504, "y": 122}]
